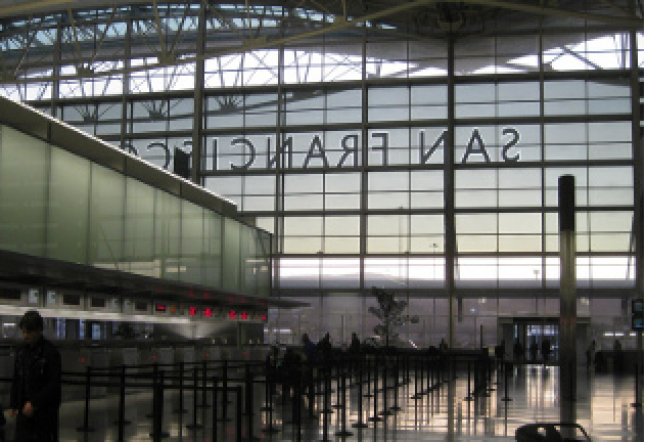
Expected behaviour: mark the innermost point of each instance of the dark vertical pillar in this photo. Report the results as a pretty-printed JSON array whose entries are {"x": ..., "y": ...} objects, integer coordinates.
[{"x": 567, "y": 330}]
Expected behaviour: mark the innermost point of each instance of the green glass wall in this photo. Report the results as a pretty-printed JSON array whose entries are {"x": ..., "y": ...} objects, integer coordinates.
[{"x": 57, "y": 205}]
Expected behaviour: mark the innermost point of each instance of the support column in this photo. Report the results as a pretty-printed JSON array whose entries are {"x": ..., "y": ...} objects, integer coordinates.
[{"x": 567, "y": 330}]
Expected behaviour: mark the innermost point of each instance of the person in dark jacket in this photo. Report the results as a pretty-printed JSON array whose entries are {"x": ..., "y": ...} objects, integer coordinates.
[{"x": 36, "y": 388}]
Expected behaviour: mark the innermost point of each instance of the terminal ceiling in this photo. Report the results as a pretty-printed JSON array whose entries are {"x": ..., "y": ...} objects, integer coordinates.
[{"x": 166, "y": 33}]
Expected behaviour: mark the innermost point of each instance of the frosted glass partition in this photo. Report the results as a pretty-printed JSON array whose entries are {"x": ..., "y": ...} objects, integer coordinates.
[{"x": 57, "y": 205}]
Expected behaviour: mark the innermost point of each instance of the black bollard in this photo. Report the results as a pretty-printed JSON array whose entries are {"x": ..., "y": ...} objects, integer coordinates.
[
  {"x": 327, "y": 392},
  {"x": 343, "y": 432},
  {"x": 396, "y": 407},
  {"x": 310, "y": 392},
  {"x": 429, "y": 373},
  {"x": 296, "y": 408},
  {"x": 269, "y": 408},
  {"x": 269, "y": 387},
  {"x": 214, "y": 416},
  {"x": 269, "y": 428},
  {"x": 506, "y": 370},
  {"x": 339, "y": 404},
  {"x": 180, "y": 409},
  {"x": 121, "y": 421},
  {"x": 469, "y": 394},
  {"x": 249, "y": 400},
  {"x": 238, "y": 390},
  {"x": 417, "y": 394},
  {"x": 225, "y": 390},
  {"x": 326, "y": 405},
  {"x": 360, "y": 423},
  {"x": 637, "y": 403},
  {"x": 88, "y": 382},
  {"x": 384, "y": 383},
  {"x": 369, "y": 371},
  {"x": 158, "y": 408},
  {"x": 155, "y": 373},
  {"x": 194, "y": 425},
  {"x": 375, "y": 416},
  {"x": 205, "y": 402}
]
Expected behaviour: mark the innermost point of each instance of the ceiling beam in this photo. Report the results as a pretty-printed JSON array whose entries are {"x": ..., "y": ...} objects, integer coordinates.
[{"x": 34, "y": 6}]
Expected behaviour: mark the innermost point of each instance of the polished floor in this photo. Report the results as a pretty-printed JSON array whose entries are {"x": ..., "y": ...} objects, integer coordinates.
[{"x": 604, "y": 408}]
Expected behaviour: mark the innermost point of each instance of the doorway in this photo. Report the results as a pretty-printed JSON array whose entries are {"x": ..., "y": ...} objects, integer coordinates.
[{"x": 532, "y": 334}]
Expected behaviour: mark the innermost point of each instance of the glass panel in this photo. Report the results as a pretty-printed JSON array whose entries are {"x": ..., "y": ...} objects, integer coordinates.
[
  {"x": 24, "y": 174},
  {"x": 232, "y": 250},
  {"x": 429, "y": 102},
  {"x": 67, "y": 218},
  {"x": 388, "y": 104},
  {"x": 167, "y": 234},
  {"x": 140, "y": 229},
  {"x": 107, "y": 218},
  {"x": 190, "y": 265},
  {"x": 212, "y": 247}
]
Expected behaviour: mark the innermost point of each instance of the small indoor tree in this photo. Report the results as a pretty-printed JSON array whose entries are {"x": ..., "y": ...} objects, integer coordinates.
[{"x": 392, "y": 317}]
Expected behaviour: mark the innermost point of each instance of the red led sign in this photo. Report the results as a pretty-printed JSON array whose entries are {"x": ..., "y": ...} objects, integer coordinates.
[
  {"x": 192, "y": 311},
  {"x": 244, "y": 315},
  {"x": 208, "y": 312},
  {"x": 160, "y": 308},
  {"x": 232, "y": 314}
]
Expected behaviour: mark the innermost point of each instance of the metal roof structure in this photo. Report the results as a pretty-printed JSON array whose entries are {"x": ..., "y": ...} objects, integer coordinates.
[{"x": 166, "y": 34}]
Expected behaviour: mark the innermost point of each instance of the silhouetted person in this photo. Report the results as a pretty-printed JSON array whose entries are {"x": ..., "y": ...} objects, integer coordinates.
[
  {"x": 290, "y": 371},
  {"x": 500, "y": 351},
  {"x": 518, "y": 351},
  {"x": 309, "y": 349},
  {"x": 533, "y": 350},
  {"x": 36, "y": 387},
  {"x": 324, "y": 348},
  {"x": 355, "y": 344},
  {"x": 590, "y": 353},
  {"x": 546, "y": 348},
  {"x": 618, "y": 356}
]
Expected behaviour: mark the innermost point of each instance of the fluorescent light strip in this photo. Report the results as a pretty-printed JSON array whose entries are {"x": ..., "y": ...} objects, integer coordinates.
[{"x": 87, "y": 314}]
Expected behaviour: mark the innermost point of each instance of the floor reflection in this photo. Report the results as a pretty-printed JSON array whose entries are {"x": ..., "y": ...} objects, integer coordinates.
[{"x": 603, "y": 408}]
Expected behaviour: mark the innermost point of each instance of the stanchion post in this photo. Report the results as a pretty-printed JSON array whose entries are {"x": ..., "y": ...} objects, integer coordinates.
[
  {"x": 369, "y": 371},
  {"x": 194, "y": 425},
  {"x": 180, "y": 408},
  {"x": 506, "y": 375},
  {"x": 343, "y": 432},
  {"x": 121, "y": 421},
  {"x": 205, "y": 402},
  {"x": 396, "y": 407},
  {"x": 360, "y": 423},
  {"x": 225, "y": 389},
  {"x": 214, "y": 417},
  {"x": 384, "y": 384},
  {"x": 375, "y": 416},
  {"x": 249, "y": 400},
  {"x": 638, "y": 402},
  {"x": 469, "y": 392},
  {"x": 158, "y": 407},
  {"x": 238, "y": 413},
  {"x": 88, "y": 382}
]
